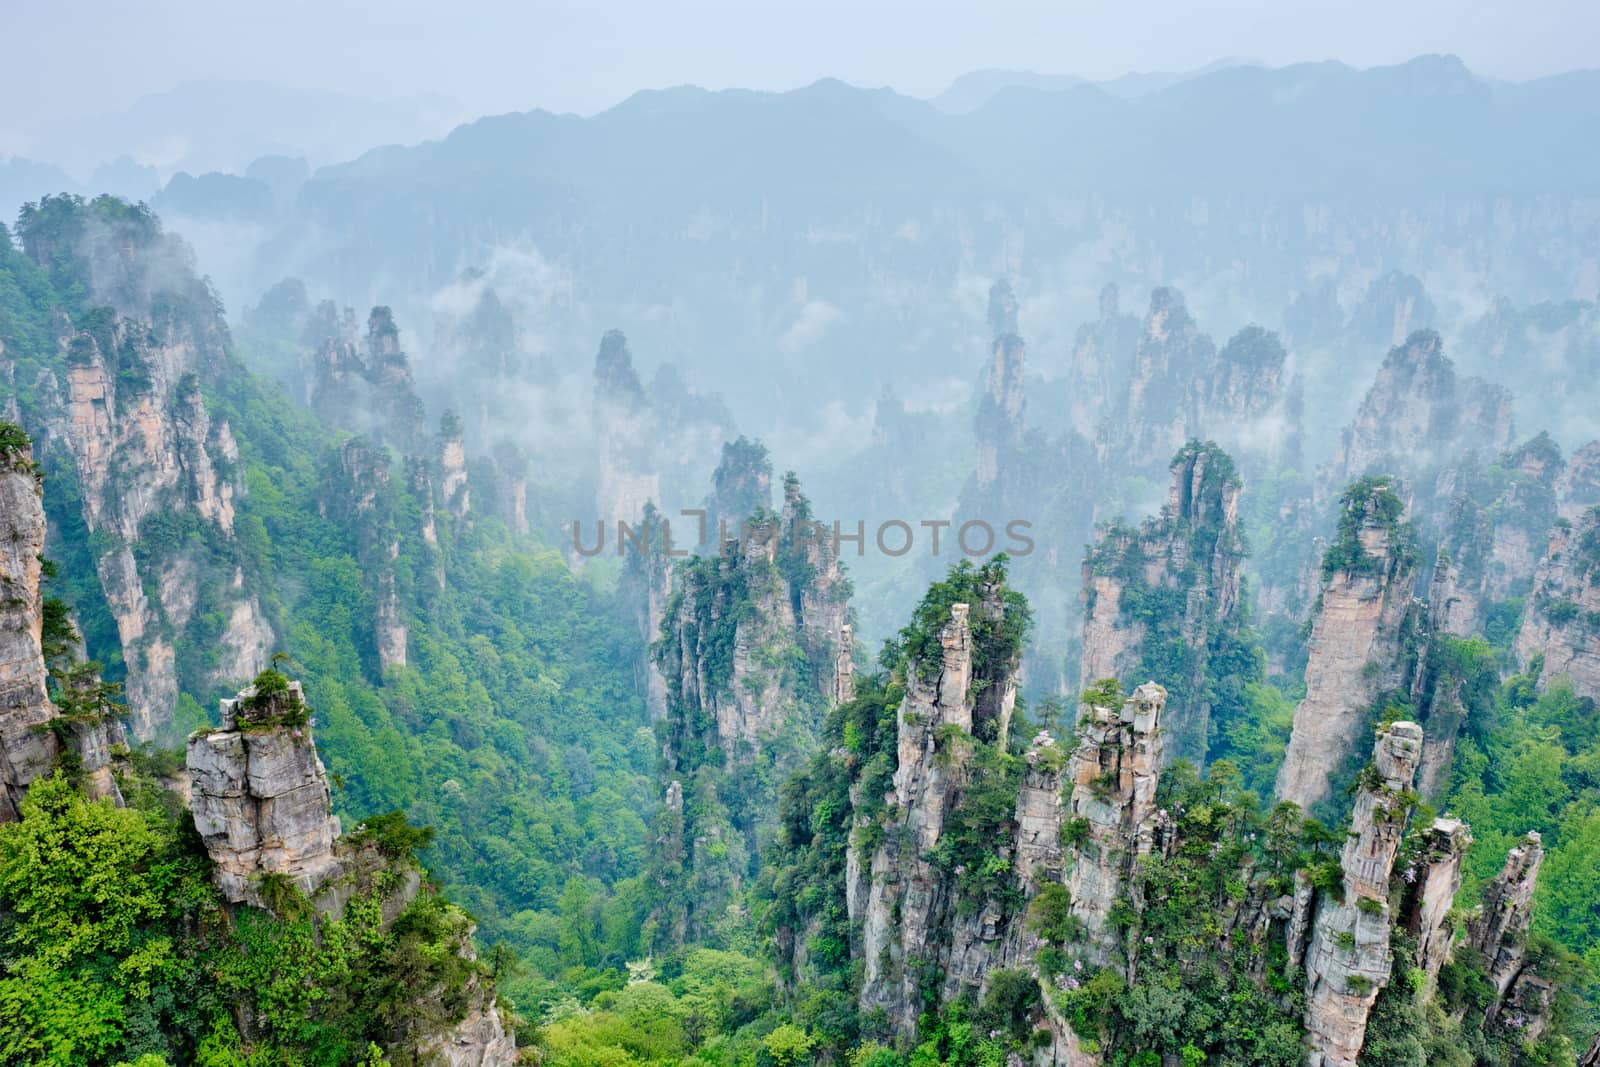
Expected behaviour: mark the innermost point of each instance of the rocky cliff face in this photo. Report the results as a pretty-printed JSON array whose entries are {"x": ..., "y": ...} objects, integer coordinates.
[
  {"x": 1182, "y": 387},
  {"x": 1173, "y": 582},
  {"x": 117, "y": 408},
  {"x": 1113, "y": 775},
  {"x": 1430, "y": 893},
  {"x": 749, "y": 656},
  {"x": 1559, "y": 622},
  {"x": 1359, "y": 638},
  {"x": 359, "y": 494},
  {"x": 261, "y": 804},
  {"x": 1500, "y": 930},
  {"x": 1578, "y": 486},
  {"x": 363, "y": 385},
  {"x": 1417, "y": 414},
  {"x": 1172, "y": 355},
  {"x": 1349, "y": 958},
  {"x": 1495, "y": 529},
  {"x": 1002, "y": 407},
  {"x": 260, "y": 796},
  {"x": 737, "y": 621},
  {"x": 918, "y": 915},
  {"x": 27, "y": 750},
  {"x": 453, "y": 467},
  {"x": 1102, "y": 355}
]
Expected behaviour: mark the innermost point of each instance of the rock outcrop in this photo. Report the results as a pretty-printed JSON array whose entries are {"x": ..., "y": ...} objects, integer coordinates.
[
  {"x": 1500, "y": 930},
  {"x": 1578, "y": 486},
  {"x": 908, "y": 898},
  {"x": 749, "y": 657},
  {"x": 27, "y": 748},
  {"x": 359, "y": 495},
  {"x": 1430, "y": 893},
  {"x": 1002, "y": 407},
  {"x": 260, "y": 796},
  {"x": 734, "y": 618},
  {"x": 364, "y": 386},
  {"x": 903, "y": 914},
  {"x": 1592, "y": 1057},
  {"x": 1182, "y": 387},
  {"x": 1113, "y": 775},
  {"x": 1172, "y": 583},
  {"x": 118, "y": 408},
  {"x": 1496, "y": 525},
  {"x": 1417, "y": 415},
  {"x": 1102, "y": 355},
  {"x": 1358, "y": 646},
  {"x": 1349, "y": 958},
  {"x": 1559, "y": 623},
  {"x": 453, "y": 466}
]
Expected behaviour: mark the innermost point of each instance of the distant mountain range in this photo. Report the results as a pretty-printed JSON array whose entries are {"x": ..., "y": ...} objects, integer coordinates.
[{"x": 974, "y": 89}]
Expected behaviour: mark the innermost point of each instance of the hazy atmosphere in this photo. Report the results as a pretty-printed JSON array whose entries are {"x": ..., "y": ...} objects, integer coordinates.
[{"x": 800, "y": 535}]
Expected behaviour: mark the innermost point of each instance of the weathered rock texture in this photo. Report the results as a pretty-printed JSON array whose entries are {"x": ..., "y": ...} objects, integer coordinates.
[
  {"x": 1359, "y": 637},
  {"x": 122, "y": 411},
  {"x": 1113, "y": 776},
  {"x": 1495, "y": 529},
  {"x": 27, "y": 749},
  {"x": 260, "y": 797},
  {"x": 1102, "y": 356},
  {"x": 1182, "y": 387},
  {"x": 1430, "y": 893},
  {"x": 735, "y": 624},
  {"x": 359, "y": 495},
  {"x": 453, "y": 466},
  {"x": 907, "y": 904},
  {"x": 1418, "y": 415},
  {"x": 1349, "y": 957},
  {"x": 749, "y": 656},
  {"x": 365, "y": 387},
  {"x": 1500, "y": 930},
  {"x": 1578, "y": 487},
  {"x": 1173, "y": 582},
  {"x": 1562, "y": 619}
]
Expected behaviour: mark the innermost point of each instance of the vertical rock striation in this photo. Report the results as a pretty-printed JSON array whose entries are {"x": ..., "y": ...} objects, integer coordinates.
[
  {"x": 1417, "y": 413},
  {"x": 1430, "y": 893},
  {"x": 1113, "y": 775},
  {"x": 1500, "y": 929},
  {"x": 359, "y": 495},
  {"x": 1359, "y": 636},
  {"x": 1173, "y": 583},
  {"x": 120, "y": 406},
  {"x": 749, "y": 659},
  {"x": 1495, "y": 529},
  {"x": 1349, "y": 958},
  {"x": 1557, "y": 623},
  {"x": 260, "y": 796},
  {"x": 1001, "y": 409},
  {"x": 27, "y": 748}
]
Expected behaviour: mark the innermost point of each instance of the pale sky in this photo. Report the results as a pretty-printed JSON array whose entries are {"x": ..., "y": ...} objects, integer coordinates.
[{"x": 71, "y": 59}]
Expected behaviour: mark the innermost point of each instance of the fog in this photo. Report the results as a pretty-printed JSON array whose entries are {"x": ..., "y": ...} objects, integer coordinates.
[{"x": 97, "y": 57}]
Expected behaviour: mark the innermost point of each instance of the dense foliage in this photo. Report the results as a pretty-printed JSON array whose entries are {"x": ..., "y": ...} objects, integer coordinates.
[{"x": 117, "y": 947}]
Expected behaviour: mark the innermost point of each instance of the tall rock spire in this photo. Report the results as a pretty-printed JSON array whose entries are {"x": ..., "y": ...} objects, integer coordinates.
[
  {"x": 1113, "y": 774},
  {"x": 1349, "y": 959},
  {"x": 27, "y": 750},
  {"x": 1358, "y": 638},
  {"x": 1190, "y": 555}
]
